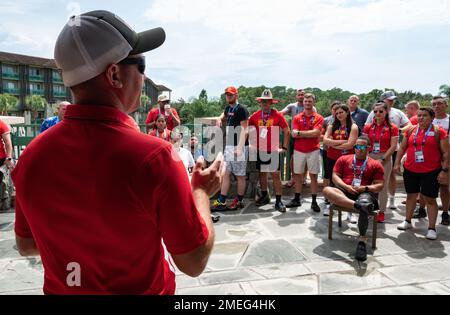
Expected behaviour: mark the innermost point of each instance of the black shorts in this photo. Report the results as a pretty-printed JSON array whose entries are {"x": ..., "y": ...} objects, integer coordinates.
[
  {"x": 269, "y": 162},
  {"x": 324, "y": 164},
  {"x": 365, "y": 195},
  {"x": 424, "y": 183},
  {"x": 329, "y": 168}
]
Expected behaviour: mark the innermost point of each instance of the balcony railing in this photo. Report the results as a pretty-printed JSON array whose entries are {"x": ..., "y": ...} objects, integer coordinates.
[
  {"x": 10, "y": 75},
  {"x": 59, "y": 94},
  {"x": 11, "y": 91},
  {"x": 36, "y": 78},
  {"x": 57, "y": 80},
  {"x": 37, "y": 92}
]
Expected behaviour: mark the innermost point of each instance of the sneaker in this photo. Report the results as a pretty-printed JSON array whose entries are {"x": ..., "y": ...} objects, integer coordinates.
[
  {"x": 215, "y": 218},
  {"x": 419, "y": 213},
  {"x": 380, "y": 217},
  {"x": 327, "y": 202},
  {"x": 294, "y": 203},
  {"x": 392, "y": 205},
  {"x": 352, "y": 218},
  {"x": 431, "y": 235},
  {"x": 445, "y": 218},
  {"x": 326, "y": 212},
  {"x": 263, "y": 201},
  {"x": 361, "y": 252},
  {"x": 236, "y": 204},
  {"x": 315, "y": 207},
  {"x": 218, "y": 206},
  {"x": 280, "y": 207},
  {"x": 404, "y": 226}
]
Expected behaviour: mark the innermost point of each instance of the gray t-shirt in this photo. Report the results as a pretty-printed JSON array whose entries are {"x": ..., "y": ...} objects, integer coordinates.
[{"x": 294, "y": 109}]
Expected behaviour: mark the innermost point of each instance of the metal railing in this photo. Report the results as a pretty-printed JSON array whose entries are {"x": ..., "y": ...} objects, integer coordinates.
[{"x": 10, "y": 75}]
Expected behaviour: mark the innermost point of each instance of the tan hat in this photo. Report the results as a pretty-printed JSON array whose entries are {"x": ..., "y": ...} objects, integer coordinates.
[
  {"x": 267, "y": 95},
  {"x": 163, "y": 98}
]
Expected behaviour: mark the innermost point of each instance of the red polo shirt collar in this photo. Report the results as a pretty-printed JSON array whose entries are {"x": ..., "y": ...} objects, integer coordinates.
[{"x": 95, "y": 112}]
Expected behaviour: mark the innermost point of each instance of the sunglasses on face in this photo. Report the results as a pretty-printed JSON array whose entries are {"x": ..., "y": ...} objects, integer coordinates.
[
  {"x": 139, "y": 61},
  {"x": 361, "y": 147}
]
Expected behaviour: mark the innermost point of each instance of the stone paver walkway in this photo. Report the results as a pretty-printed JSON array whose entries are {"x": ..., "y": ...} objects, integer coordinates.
[{"x": 260, "y": 251}]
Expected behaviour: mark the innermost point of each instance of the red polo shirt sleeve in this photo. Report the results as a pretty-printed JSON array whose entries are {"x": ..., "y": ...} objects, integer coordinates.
[
  {"x": 4, "y": 128},
  {"x": 151, "y": 116},
  {"x": 282, "y": 121},
  {"x": 171, "y": 203},
  {"x": 21, "y": 227}
]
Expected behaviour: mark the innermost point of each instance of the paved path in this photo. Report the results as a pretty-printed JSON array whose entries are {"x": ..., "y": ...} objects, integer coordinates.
[{"x": 260, "y": 251}]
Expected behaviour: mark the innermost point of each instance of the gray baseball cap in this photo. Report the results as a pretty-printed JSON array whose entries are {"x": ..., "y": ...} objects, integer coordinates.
[
  {"x": 90, "y": 42},
  {"x": 388, "y": 95}
]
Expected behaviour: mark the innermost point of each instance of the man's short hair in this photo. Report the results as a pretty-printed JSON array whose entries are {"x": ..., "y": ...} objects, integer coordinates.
[
  {"x": 440, "y": 97},
  {"x": 415, "y": 103},
  {"x": 365, "y": 138},
  {"x": 310, "y": 95}
]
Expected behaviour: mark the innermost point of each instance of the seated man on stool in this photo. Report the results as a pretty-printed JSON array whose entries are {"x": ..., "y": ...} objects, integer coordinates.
[{"x": 358, "y": 179}]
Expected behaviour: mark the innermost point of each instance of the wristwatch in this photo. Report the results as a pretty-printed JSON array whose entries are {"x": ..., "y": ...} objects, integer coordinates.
[{"x": 367, "y": 189}]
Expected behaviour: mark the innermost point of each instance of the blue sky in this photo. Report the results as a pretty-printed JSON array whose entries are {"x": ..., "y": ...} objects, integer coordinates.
[{"x": 355, "y": 45}]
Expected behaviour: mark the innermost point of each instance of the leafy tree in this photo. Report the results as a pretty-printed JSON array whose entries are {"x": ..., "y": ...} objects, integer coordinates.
[
  {"x": 445, "y": 90},
  {"x": 35, "y": 103},
  {"x": 145, "y": 104},
  {"x": 7, "y": 103}
]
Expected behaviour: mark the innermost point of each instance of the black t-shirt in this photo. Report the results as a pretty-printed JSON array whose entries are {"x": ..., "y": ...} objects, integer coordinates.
[{"x": 234, "y": 116}]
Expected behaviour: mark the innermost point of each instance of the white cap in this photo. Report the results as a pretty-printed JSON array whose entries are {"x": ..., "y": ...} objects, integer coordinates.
[
  {"x": 90, "y": 42},
  {"x": 163, "y": 98}
]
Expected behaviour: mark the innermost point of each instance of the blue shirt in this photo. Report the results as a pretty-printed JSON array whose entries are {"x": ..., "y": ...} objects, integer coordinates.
[
  {"x": 359, "y": 116},
  {"x": 49, "y": 122}
]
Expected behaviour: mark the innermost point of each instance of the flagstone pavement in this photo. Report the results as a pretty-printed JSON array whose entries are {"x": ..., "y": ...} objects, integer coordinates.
[{"x": 260, "y": 251}]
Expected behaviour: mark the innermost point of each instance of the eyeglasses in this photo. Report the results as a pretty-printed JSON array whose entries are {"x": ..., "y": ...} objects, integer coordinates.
[
  {"x": 378, "y": 111},
  {"x": 361, "y": 147},
  {"x": 139, "y": 61}
]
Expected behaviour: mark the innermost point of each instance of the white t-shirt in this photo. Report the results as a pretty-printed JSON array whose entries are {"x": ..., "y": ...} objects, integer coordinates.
[
  {"x": 443, "y": 123},
  {"x": 187, "y": 158},
  {"x": 396, "y": 117}
]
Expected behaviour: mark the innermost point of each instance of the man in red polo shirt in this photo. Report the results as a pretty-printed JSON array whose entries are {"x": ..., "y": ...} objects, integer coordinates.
[
  {"x": 358, "y": 179},
  {"x": 121, "y": 201},
  {"x": 306, "y": 130},
  {"x": 163, "y": 108}
]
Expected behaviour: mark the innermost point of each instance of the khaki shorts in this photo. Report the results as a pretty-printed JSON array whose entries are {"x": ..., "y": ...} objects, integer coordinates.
[{"x": 310, "y": 160}]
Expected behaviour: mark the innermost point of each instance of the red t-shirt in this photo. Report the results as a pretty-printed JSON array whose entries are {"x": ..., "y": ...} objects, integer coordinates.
[
  {"x": 307, "y": 145},
  {"x": 4, "y": 129},
  {"x": 105, "y": 196},
  {"x": 164, "y": 135},
  {"x": 385, "y": 141},
  {"x": 372, "y": 172},
  {"x": 431, "y": 151},
  {"x": 154, "y": 113},
  {"x": 340, "y": 134},
  {"x": 414, "y": 120},
  {"x": 275, "y": 123}
]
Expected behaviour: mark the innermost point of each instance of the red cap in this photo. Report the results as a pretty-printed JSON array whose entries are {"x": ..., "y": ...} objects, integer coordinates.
[{"x": 231, "y": 90}]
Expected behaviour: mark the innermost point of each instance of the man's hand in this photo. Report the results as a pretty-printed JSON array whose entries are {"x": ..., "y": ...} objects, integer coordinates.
[
  {"x": 219, "y": 123},
  {"x": 350, "y": 190},
  {"x": 397, "y": 168},
  {"x": 210, "y": 179},
  {"x": 443, "y": 178},
  {"x": 360, "y": 189},
  {"x": 281, "y": 150},
  {"x": 238, "y": 151},
  {"x": 9, "y": 164}
]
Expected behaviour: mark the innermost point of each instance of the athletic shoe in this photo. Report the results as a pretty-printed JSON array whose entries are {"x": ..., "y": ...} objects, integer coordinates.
[
  {"x": 326, "y": 212},
  {"x": 419, "y": 213},
  {"x": 431, "y": 235},
  {"x": 380, "y": 217},
  {"x": 236, "y": 204},
  {"x": 218, "y": 206},
  {"x": 294, "y": 203},
  {"x": 280, "y": 207},
  {"x": 361, "y": 252},
  {"x": 315, "y": 207},
  {"x": 445, "y": 218},
  {"x": 404, "y": 226},
  {"x": 263, "y": 201}
]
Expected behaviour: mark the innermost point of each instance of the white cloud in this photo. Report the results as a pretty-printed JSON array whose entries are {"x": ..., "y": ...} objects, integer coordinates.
[{"x": 214, "y": 43}]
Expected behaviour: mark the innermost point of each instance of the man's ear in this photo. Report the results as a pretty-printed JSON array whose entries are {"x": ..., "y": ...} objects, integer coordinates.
[{"x": 113, "y": 76}]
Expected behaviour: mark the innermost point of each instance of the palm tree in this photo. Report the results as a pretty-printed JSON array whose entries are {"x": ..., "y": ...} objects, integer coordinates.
[
  {"x": 7, "y": 103},
  {"x": 445, "y": 89},
  {"x": 35, "y": 103}
]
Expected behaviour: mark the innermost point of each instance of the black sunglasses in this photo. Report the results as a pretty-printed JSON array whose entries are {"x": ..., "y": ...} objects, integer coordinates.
[{"x": 139, "y": 61}]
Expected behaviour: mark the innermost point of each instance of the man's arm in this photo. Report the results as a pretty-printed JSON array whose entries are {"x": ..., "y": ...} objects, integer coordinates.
[
  {"x": 400, "y": 153},
  {"x": 376, "y": 186},
  {"x": 26, "y": 246},
  {"x": 243, "y": 135},
  {"x": 175, "y": 119},
  {"x": 220, "y": 120},
  {"x": 340, "y": 183},
  {"x": 297, "y": 134},
  {"x": 204, "y": 184},
  {"x": 443, "y": 176}
]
